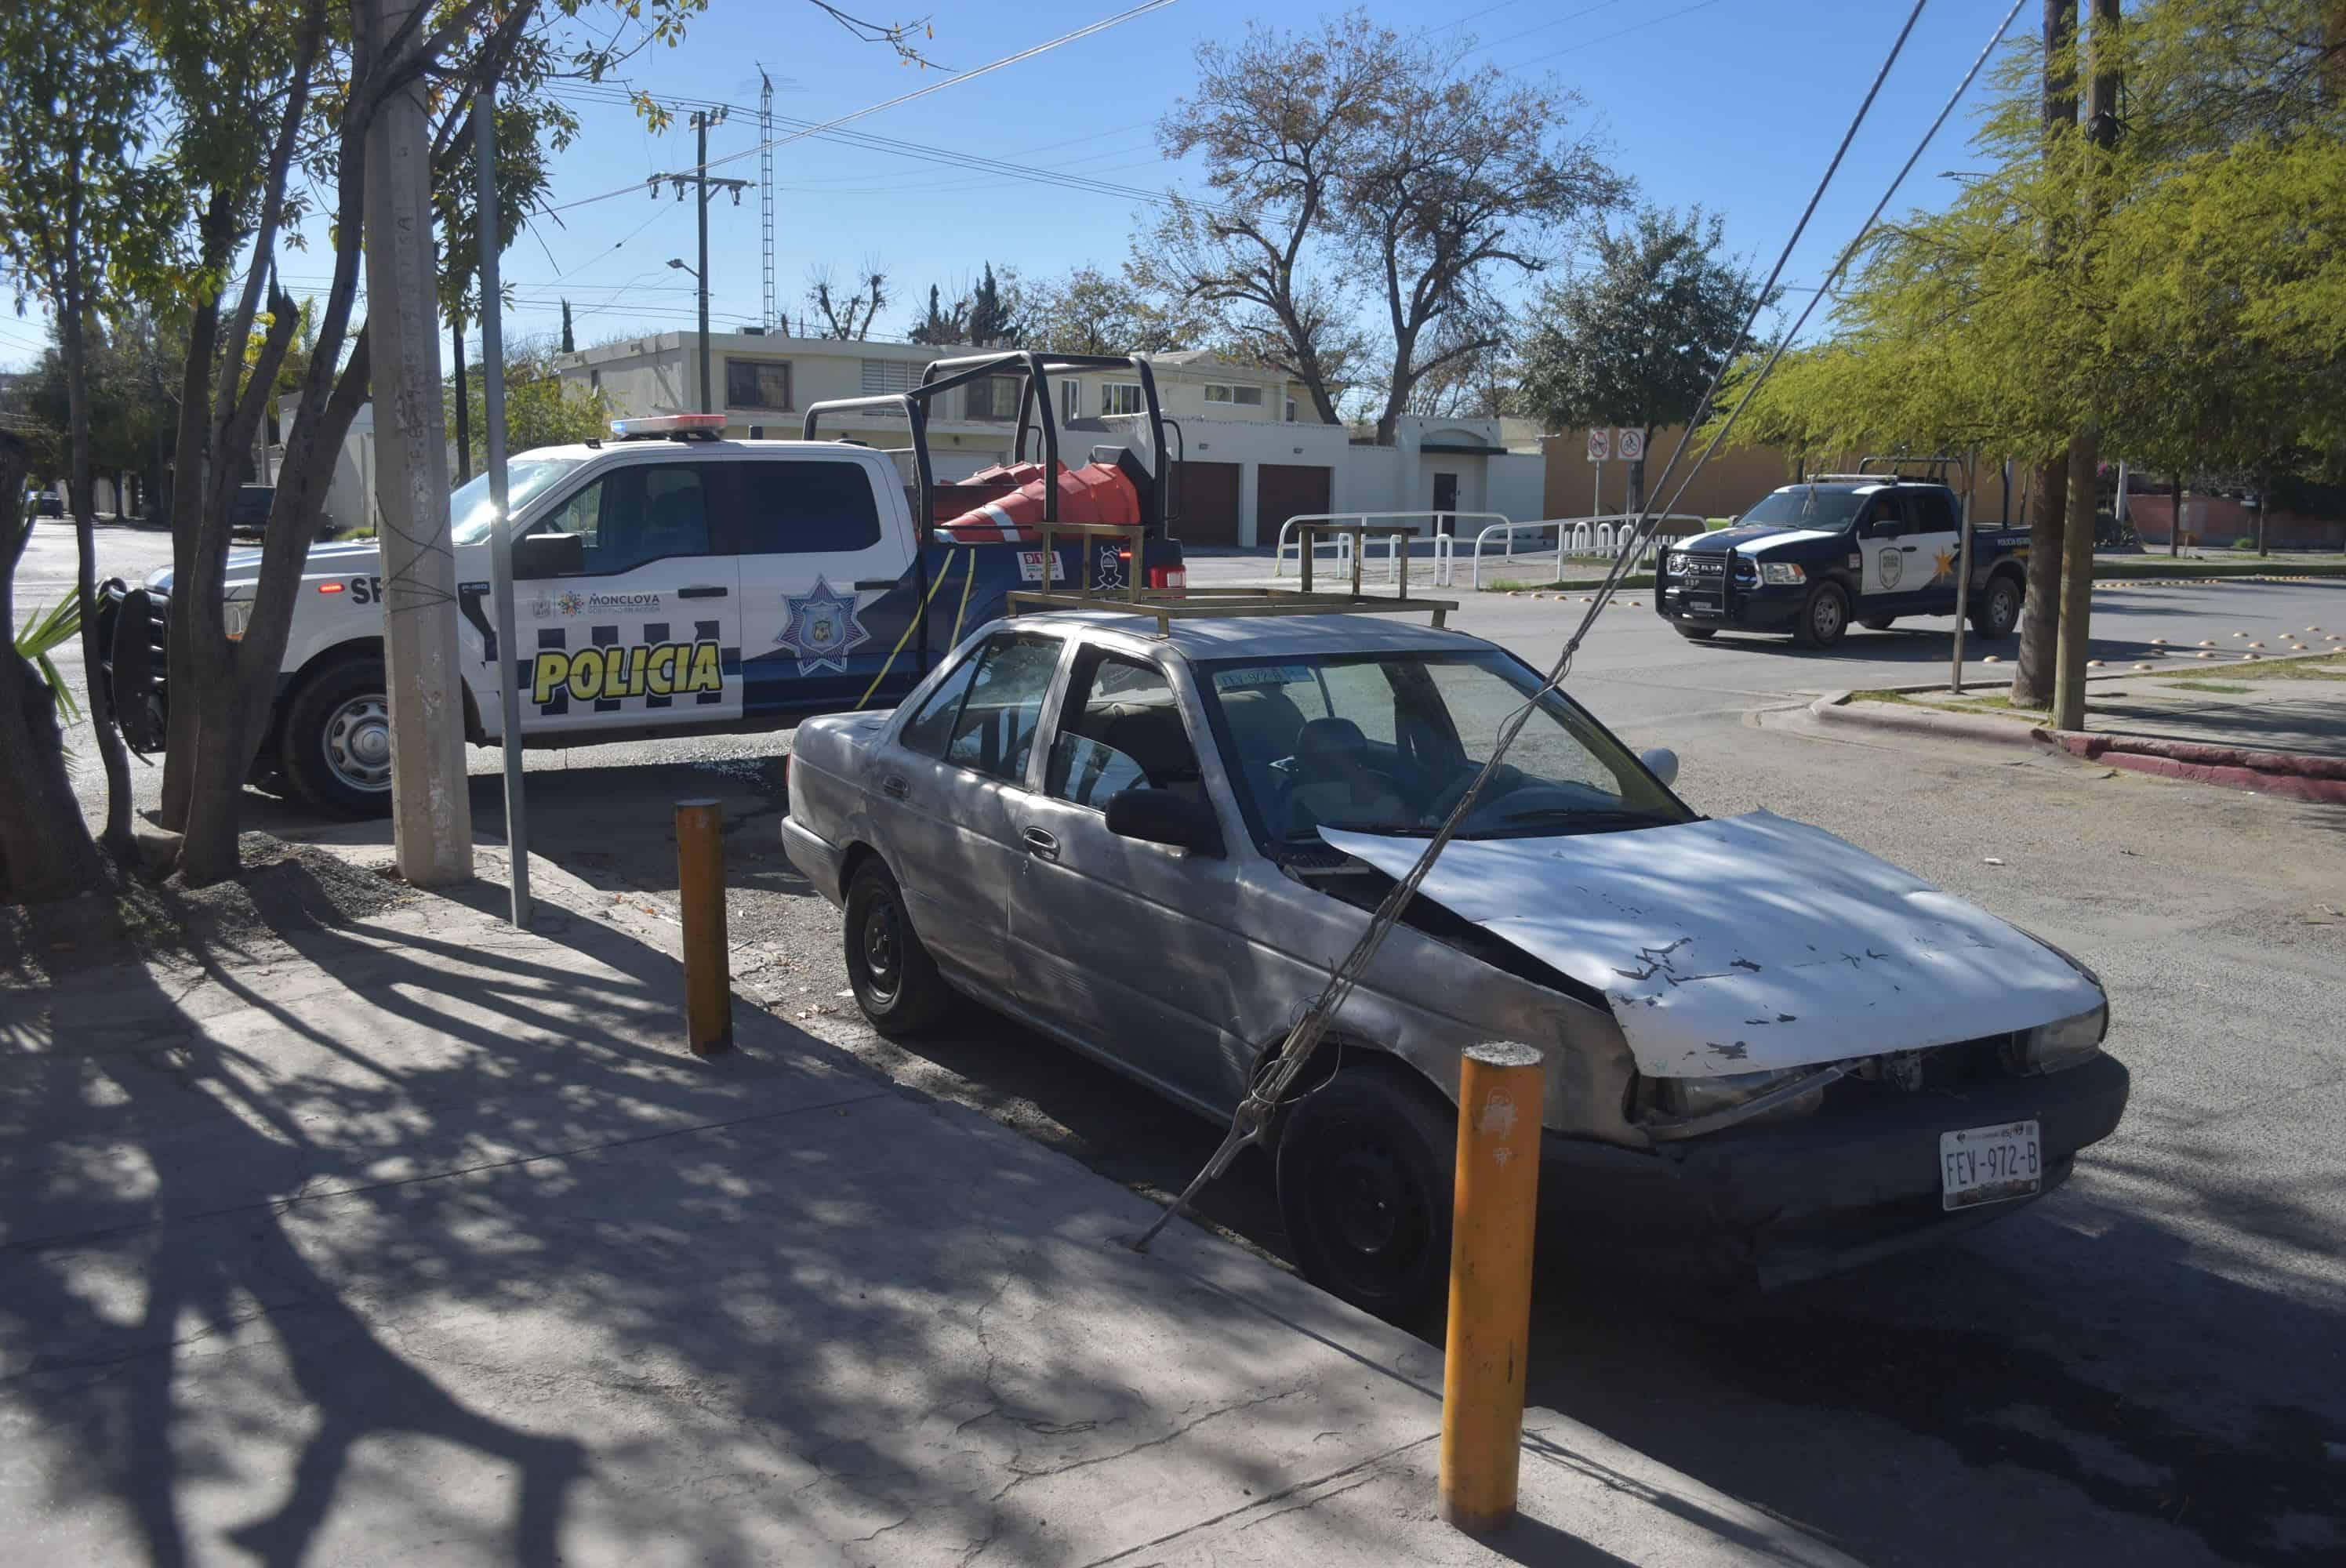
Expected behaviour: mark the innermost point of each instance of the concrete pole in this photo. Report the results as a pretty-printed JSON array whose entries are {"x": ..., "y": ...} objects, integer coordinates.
[
  {"x": 700, "y": 280},
  {"x": 432, "y": 817}
]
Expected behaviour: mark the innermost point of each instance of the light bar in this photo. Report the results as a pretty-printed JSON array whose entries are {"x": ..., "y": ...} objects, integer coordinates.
[{"x": 665, "y": 425}]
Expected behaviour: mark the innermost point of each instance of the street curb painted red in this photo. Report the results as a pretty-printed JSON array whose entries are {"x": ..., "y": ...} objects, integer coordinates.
[{"x": 2300, "y": 777}]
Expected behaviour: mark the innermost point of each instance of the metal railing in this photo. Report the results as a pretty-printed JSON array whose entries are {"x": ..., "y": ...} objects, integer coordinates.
[
  {"x": 1581, "y": 536},
  {"x": 1445, "y": 544}
]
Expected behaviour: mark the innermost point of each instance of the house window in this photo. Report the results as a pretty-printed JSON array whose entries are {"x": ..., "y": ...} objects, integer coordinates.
[
  {"x": 593, "y": 381},
  {"x": 1120, "y": 397},
  {"x": 1071, "y": 400},
  {"x": 758, "y": 383},
  {"x": 1291, "y": 411},
  {"x": 995, "y": 397},
  {"x": 882, "y": 377},
  {"x": 1243, "y": 397}
]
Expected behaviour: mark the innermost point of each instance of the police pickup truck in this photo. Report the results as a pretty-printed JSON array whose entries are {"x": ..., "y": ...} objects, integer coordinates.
[
  {"x": 671, "y": 582},
  {"x": 1812, "y": 557}
]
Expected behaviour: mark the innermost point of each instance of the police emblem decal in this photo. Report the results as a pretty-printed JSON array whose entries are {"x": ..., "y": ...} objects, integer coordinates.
[{"x": 822, "y": 627}]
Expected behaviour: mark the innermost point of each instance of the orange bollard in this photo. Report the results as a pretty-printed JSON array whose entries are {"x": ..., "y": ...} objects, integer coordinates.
[
  {"x": 701, "y": 890},
  {"x": 1501, "y": 1087}
]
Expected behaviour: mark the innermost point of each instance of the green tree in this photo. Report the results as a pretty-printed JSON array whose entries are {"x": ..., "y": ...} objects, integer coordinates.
[
  {"x": 940, "y": 327},
  {"x": 542, "y": 409},
  {"x": 1089, "y": 311},
  {"x": 1635, "y": 338},
  {"x": 994, "y": 321}
]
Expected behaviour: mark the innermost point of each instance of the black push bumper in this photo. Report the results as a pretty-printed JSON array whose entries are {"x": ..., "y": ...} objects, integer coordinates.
[
  {"x": 1747, "y": 609},
  {"x": 1785, "y": 1201},
  {"x": 133, "y": 642}
]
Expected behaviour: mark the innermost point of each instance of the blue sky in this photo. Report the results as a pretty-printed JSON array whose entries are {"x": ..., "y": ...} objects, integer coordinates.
[{"x": 1734, "y": 103}]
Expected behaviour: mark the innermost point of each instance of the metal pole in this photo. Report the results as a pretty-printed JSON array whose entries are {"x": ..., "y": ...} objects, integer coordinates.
[
  {"x": 508, "y": 653},
  {"x": 701, "y": 899},
  {"x": 463, "y": 404},
  {"x": 1964, "y": 582},
  {"x": 700, "y": 192}
]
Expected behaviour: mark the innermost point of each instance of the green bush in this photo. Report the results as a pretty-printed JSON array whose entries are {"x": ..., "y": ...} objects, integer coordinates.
[
  {"x": 2244, "y": 543},
  {"x": 1713, "y": 524}
]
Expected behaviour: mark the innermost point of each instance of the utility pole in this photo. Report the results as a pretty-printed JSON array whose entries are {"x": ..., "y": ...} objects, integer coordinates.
[
  {"x": 2086, "y": 446},
  {"x": 702, "y": 184},
  {"x": 432, "y": 817}
]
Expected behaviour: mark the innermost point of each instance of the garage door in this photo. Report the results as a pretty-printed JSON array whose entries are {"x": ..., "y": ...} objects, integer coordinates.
[
  {"x": 1284, "y": 490},
  {"x": 1209, "y": 504}
]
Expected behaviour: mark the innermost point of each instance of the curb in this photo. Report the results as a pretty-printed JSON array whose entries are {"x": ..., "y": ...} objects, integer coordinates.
[
  {"x": 1833, "y": 708},
  {"x": 2318, "y": 779}
]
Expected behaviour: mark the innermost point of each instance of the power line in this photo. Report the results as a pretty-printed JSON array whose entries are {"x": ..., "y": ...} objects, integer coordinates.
[{"x": 1617, "y": 33}]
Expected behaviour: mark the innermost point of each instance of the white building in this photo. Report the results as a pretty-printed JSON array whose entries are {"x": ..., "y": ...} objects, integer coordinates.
[{"x": 1254, "y": 452}]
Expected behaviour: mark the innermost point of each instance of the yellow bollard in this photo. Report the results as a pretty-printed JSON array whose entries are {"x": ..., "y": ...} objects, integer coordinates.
[
  {"x": 1500, "y": 1090},
  {"x": 701, "y": 890}
]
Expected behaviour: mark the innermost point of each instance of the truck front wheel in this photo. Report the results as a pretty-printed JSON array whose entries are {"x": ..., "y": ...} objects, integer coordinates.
[
  {"x": 1823, "y": 617},
  {"x": 336, "y": 746},
  {"x": 1998, "y": 610}
]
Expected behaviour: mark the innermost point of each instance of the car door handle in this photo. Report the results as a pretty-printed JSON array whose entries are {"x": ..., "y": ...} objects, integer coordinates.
[
  {"x": 1039, "y": 842},
  {"x": 702, "y": 591},
  {"x": 894, "y": 787},
  {"x": 1907, "y": 549},
  {"x": 869, "y": 584}
]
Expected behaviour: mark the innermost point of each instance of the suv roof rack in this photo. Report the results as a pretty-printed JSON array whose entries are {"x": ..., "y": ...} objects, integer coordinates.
[{"x": 1167, "y": 606}]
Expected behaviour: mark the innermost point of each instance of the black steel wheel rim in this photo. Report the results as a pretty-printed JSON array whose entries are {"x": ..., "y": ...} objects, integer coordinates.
[
  {"x": 1371, "y": 1219},
  {"x": 882, "y": 948}
]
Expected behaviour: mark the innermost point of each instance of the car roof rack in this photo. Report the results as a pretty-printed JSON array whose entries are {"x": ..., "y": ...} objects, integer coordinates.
[{"x": 1167, "y": 606}]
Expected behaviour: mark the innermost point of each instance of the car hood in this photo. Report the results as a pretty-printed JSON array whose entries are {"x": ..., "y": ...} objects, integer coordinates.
[
  {"x": 1750, "y": 942},
  {"x": 1751, "y": 538},
  {"x": 323, "y": 561}
]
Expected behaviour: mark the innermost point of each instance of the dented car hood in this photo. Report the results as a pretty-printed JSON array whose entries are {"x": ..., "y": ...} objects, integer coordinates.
[{"x": 1750, "y": 942}]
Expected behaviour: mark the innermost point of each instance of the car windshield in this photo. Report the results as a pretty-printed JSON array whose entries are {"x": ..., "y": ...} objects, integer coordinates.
[
  {"x": 525, "y": 477},
  {"x": 1807, "y": 506},
  {"x": 1388, "y": 743}
]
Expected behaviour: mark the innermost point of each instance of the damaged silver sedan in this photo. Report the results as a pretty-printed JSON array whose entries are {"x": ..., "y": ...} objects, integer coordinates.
[{"x": 1769, "y": 1053}]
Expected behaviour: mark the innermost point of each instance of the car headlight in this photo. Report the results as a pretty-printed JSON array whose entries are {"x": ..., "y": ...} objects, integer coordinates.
[
  {"x": 1782, "y": 573},
  {"x": 1685, "y": 1106},
  {"x": 2050, "y": 1047},
  {"x": 236, "y": 614},
  {"x": 1674, "y": 565}
]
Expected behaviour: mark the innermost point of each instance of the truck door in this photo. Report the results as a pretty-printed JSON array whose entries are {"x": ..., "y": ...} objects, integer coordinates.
[
  {"x": 650, "y": 632},
  {"x": 1885, "y": 584},
  {"x": 1935, "y": 536},
  {"x": 827, "y": 588}
]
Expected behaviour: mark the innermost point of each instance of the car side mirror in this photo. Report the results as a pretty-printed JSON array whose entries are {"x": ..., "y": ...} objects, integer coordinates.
[
  {"x": 1662, "y": 763},
  {"x": 1161, "y": 817},
  {"x": 549, "y": 556}
]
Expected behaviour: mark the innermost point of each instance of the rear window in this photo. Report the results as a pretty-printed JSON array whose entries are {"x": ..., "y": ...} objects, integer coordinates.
[{"x": 805, "y": 507}]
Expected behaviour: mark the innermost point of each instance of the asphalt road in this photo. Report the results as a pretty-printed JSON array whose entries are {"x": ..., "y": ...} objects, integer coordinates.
[{"x": 2148, "y": 1367}]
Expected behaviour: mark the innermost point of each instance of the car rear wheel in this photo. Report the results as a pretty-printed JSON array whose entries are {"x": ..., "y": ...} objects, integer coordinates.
[
  {"x": 896, "y": 981},
  {"x": 1998, "y": 610},
  {"x": 336, "y": 752},
  {"x": 1879, "y": 623},
  {"x": 1823, "y": 617},
  {"x": 1366, "y": 1167},
  {"x": 1696, "y": 633}
]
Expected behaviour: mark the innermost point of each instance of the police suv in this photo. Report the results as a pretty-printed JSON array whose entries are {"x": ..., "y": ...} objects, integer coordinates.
[
  {"x": 666, "y": 581},
  {"x": 1812, "y": 557}
]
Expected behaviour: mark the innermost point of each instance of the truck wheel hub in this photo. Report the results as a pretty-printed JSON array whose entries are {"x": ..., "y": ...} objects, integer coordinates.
[{"x": 358, "y": 743}]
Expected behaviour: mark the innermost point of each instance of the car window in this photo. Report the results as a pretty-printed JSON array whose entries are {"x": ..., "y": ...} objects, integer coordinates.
[
  {"x": 1932, "y": 513},
  {"x": 802, "y": 508},
  {"x": 1885, "y": 517},
  {"x": 635, "y": 514},
  {"x": 1121, "y": 730},
  {"x": 928, "y": 729},
  {"x": 993, "y": 731}
]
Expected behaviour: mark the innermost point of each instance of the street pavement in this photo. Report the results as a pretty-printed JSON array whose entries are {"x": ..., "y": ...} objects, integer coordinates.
[{"x": 2147, "y": 1366}]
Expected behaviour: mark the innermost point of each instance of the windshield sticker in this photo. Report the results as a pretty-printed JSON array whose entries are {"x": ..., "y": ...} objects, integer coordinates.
[{"x": 1262, "y": 675}]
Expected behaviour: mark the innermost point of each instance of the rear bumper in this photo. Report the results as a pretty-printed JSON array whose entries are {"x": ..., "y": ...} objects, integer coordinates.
[
  {"x": 816, "y": 858},
  {"x": 1785, "y": 1201}
]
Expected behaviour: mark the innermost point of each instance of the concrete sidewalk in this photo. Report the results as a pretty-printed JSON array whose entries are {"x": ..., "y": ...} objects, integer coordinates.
[{"x": 410, "y": 1238}]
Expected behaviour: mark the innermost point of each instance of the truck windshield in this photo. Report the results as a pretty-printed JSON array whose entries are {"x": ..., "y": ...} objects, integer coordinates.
[
  {"x": 1808, "y": 507},
  {"x": 525, "y": 477},
  {"x": 1388, "y": 743}
]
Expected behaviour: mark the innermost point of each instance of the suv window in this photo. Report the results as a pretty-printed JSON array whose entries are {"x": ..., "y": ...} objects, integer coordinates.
[
  {"x": 1931, "y": 512},
  {"x": 994, "y": 708},
  {"x": 1121, "y": 730},
  {"x": 637, "y": 514},
  {"x": 804, "y": 508}
]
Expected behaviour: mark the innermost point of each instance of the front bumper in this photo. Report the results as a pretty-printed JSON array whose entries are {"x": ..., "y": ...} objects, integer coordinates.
[
  {"x": 1780, "y": 1202},
  {"x": 1750, "y": 608}
]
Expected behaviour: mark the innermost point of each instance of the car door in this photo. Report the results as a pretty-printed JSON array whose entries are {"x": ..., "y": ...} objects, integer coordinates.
[
  {"x": 826, "y": 592},
  {"x": 1883, "y": 584},
  {"x": 1130, "y": 947},
  {"x": 953, "y": 778},
  {"x": 1934, "y": 544},
  {"x": 649, "y": 632}
]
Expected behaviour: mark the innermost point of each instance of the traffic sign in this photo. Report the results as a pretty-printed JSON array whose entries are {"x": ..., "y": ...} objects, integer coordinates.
[
  {"x": 1600, "y": 445},
  {"x": 1630, "y": 444}
]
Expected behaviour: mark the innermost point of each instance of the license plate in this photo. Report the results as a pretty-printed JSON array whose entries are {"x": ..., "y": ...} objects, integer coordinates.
[
  {"x": 1702, "y": 607},
  {"x": 1989, "y": 1164}
]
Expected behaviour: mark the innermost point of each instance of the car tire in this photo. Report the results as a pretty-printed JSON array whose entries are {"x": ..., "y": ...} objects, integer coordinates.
[
  {"x": 1825, "y": 617},
  {"x": 335, "y": 747},
  {"x": 896, "y": 981},
  {"x": 1998, "y": 610},
  {"x": 1696, "y": 633},
  {"x": 1366, "y": 1170},
  {"x": 1879, "y": 623}
]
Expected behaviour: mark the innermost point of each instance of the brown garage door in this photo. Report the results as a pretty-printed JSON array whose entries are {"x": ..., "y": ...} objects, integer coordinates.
[
  {"x": 1209, "y": 504},
  {"x": 1284, "y": 490}
]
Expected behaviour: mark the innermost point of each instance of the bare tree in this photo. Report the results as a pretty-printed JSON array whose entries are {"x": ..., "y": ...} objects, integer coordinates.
[{"x": 849, "y": 316}]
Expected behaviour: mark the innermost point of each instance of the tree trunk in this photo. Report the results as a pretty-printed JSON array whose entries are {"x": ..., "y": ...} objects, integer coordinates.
[
  {"x": 45, "y": 849},
  {"x": 2076, "y": 585},
  {"x": 2264, "y": 505},
  {"x": 82, "y": 481},
  {"x": 2175, "y": 515},
  {"x": 190, "y": 485},
  {"x": 2040, "y": 610}
]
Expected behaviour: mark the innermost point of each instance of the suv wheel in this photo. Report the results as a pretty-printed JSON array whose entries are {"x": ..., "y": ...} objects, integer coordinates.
[
  {"x": 1366, "y": 1171},
  {"x": 1824, "y": 615},
  {"x": 335, "y": 751},
  {"x": 1998, "y": 610},
  {"x": 1695, "y": 634},
  {"x": 896, "y": 982},
  {"x": 1879, "y": 623}
]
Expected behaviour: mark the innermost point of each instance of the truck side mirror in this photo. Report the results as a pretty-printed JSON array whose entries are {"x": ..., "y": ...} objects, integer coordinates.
[
  {"x": 549, "y": 556},
  {"x": 1162, "y": 817}
]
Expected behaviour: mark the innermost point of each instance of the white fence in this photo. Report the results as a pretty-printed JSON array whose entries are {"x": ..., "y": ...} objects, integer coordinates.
[
  {"x": 1443, "y": 543},
  {"x": 1580, "y": 536}
]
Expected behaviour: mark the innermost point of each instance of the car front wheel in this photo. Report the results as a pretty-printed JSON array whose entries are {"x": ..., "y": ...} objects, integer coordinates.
[
  {"x": 896, "y": 981},
  {"x": 1823, "y": 617},
  {"x": 1879, "y": 623},
  {"x": 1366, "y": 1168}
]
